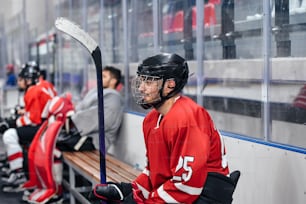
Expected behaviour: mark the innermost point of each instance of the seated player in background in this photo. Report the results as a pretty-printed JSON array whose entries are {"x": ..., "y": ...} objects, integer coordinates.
[
  {"x": 18, "y": 133},
  {"x": 86, "y": 118},
  {"x": 10, "y": 75}
]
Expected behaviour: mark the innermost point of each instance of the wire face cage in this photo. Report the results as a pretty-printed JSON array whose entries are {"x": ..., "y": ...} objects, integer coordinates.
[{"x": 146, "y": 89}]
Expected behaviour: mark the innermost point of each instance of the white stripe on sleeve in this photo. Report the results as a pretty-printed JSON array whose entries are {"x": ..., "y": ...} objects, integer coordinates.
[
  {"x": 165, "y": 196},
  {"x": 188, "y": 189}
]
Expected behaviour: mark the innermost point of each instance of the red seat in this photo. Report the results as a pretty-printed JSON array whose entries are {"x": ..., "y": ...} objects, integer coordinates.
[
  {"x": 120, "y": 87},
  {"x": 178, "y": 22},
  {"x": 168, "y": 23},
  {"x": 209, "y": 15},
  {"x": 215, "y": 1},
  {"x": 300, "y": 99}
]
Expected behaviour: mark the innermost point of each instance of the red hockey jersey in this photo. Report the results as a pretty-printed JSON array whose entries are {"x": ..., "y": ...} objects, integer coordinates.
[
  {"x": 182, "y": 147},
  {"x": 35, "y": 102},
  {"x": 47, "y": 86}
]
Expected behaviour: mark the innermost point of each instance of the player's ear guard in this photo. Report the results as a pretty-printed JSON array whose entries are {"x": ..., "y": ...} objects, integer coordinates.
[{"x": 111, "y": 191}]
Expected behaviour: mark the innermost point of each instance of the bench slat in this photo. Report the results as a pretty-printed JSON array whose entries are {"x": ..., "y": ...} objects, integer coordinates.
[
  {"x": 118, "y": 166},
  {"x": 122, "y": 165},
  {"x": 128, "y": 173},
  {"x": 111, "y": 169},
  {"x": 89, "y": 163},
  {"x": 90, "y": 170}
]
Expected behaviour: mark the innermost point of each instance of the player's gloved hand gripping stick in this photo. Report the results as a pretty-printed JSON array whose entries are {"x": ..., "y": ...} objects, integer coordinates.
[{"x": 113, "y": 192}]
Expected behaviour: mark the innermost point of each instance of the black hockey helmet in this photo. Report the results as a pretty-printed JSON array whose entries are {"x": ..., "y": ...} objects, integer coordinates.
[
  {"x": 165, "y": 66},
  {"x": 30, "y": 71}
]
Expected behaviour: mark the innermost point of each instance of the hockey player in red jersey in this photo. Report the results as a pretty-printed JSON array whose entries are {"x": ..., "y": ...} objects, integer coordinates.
[
  {"x": 46, "y": 84},
  {"x": 186, "y": 157},
  {"x": 21, "y": 132}
]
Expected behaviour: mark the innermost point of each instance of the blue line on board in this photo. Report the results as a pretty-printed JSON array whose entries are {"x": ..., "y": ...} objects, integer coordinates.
[
  {"x": 249, "y": 139},
  {"x": 267, "y": 143}
]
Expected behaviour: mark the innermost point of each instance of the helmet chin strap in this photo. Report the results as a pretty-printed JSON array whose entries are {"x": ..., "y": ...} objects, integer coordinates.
[
  {"x": 160, "y": 102},
  {"x": 21, "y": 89},
  {"x": 163, "y": 99},
  {"x": 156, "y": 104},
  {"x": 146, "y": 106}
]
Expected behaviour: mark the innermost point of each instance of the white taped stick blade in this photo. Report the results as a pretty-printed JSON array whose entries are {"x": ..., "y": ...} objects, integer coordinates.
[{"x": 76, "y": 32}]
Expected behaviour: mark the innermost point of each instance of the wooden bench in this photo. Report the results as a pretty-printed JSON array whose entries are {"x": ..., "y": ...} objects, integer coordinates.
[{"x": 87, "y": 165}]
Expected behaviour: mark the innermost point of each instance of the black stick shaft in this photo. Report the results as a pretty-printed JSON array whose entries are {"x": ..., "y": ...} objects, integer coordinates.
[{"x": 96, "y": 54}]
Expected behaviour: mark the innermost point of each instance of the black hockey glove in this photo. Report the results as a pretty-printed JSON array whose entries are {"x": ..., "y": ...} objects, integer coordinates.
[
  {"x": 3, "y": 125},
  {"x": 113, "y": 192},
  {"x": 11, "y": 122},
  {"x": 15, "y": 111}
]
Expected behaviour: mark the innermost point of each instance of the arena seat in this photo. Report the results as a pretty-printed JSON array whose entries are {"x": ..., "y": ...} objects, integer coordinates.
[
  {"x": 209, "y": 15},
  {"x": 178, "y": 22},
  {"x": 167, "y": 23}
]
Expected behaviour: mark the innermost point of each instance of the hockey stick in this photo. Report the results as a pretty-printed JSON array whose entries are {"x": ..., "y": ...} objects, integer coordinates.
[{"x": 90, "y": 44}]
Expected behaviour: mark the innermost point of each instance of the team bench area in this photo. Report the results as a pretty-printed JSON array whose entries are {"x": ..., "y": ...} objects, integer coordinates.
[{"x": 85, "y": 165}]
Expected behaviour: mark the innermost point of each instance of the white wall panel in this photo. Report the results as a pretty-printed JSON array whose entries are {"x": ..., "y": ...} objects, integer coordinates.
[{"x": 268, "y": 174}]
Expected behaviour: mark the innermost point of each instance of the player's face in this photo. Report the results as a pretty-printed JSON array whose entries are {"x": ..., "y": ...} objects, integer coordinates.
[
  {"x": 149, "y": 88},
  {"x": 108, "y": 80},
  {"x": 21, "y": 83}
]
